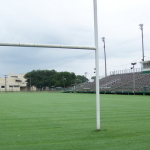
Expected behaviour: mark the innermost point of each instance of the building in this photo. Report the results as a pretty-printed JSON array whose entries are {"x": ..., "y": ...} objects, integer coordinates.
[
  {"x": 14, "y": 82},
  {"x": 145, "y": 65}
]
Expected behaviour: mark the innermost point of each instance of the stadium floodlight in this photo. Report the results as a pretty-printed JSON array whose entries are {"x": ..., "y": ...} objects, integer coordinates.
[
  {"x": 95, "y": 48},
  {"x": 133, "y": 64},
  {"x": 141, "y": 27},
  {"x": 103, "y": 39}
]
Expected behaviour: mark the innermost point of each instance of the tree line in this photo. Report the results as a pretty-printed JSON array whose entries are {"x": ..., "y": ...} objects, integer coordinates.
[{"x": 52, "y": 78}]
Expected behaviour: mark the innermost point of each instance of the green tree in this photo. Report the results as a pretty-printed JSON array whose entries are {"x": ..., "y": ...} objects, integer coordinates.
[
  {"x": 63, "y": 79},
  {"x": 40, "y": 78},
  {"x": 81, "y": 79},
  {"x": 49, "y": 78},
  {"x": 94, "y": 77}
]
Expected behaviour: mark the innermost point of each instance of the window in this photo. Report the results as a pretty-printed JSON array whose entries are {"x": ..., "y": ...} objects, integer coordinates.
[
  {"x": 14, "y": 76},
  {"x": 18, "y": 80},
  {"x": 16, "y": 85}
]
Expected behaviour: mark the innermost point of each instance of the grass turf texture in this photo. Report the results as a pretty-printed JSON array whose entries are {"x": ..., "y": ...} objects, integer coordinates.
[{"x": 58, "y": 121}]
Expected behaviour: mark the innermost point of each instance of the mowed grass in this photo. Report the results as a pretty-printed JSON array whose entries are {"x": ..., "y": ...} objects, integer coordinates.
[{"x": 58, "y": 121}]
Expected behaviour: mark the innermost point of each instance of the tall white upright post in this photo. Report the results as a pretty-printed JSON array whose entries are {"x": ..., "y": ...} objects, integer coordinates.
[{"x": 97, "y": 66}]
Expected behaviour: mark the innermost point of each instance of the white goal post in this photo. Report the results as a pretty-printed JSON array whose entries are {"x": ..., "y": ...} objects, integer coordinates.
[{"x": 95, "y": 48}]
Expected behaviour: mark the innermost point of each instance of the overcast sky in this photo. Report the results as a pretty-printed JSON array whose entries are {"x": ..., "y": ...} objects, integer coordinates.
[{"x": 70, "y": 22}]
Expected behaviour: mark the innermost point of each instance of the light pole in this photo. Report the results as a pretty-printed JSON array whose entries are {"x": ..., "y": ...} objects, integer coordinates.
[
  {"x": 141, "y": 27},
  {"x": 103, "y": 39},
  {"x": 133, "y": 64}
]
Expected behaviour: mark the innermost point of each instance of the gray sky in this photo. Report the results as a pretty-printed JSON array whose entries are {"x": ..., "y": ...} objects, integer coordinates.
[{"x": 70, "y": 22}]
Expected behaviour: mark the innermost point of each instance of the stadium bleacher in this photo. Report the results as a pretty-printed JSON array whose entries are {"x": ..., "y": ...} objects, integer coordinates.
[{"x": 120, "y": 82}]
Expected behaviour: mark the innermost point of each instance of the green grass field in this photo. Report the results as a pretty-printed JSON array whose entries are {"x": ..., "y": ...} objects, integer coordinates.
[{"x": 58, "y": 121}]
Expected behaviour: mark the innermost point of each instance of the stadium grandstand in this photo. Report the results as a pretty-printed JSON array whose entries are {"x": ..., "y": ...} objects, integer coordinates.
[{"x": 133, "y": 81}]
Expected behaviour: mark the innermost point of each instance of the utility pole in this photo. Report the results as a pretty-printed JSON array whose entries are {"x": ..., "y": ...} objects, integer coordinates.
[{"x": 5, "y": 83}]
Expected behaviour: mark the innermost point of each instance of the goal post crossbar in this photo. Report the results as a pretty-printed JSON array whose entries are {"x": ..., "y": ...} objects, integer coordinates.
[{"x": 47, "y": 46}]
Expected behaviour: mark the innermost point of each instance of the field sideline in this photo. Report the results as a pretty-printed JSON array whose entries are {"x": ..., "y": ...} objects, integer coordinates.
[{"x": 59, "y": 121}]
